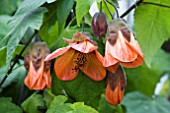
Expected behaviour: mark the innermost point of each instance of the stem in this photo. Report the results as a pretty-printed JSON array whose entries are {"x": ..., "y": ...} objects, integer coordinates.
[
  {"x": 156, "y": 4},
  {"x": 108, "y": 9},
  {"x": 115, "y": 8},
  {"x": 101, "y": 6},
  {"x": 132, "y": 7},
  {"x": 16, "y": 60},
  {"x": 83, "y": 25},
  {"x": 119, "y": 108}
]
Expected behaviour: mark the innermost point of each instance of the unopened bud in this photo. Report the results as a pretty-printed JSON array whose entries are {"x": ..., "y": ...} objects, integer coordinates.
[
  {"x": 99, "y": 24},
  {"x": 36, "y": 53}
]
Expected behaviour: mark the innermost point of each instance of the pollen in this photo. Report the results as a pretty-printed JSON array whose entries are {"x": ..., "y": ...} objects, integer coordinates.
[{"x": 79, "y": 60}]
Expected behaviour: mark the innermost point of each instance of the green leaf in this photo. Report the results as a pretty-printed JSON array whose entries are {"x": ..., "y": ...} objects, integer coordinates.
[
  {"x": 49, "y": 30},
  {"x": 4, "y": 28},
  {"x": 80, "y": 89},
  {"x": 3, "y": 24},
  {"x": 3, "y": 53},
  {"x": 32, "y": 103},
  {"x": 139, "y": 103},
  {"x": 14, "y": 82},
  {"x": 9, "y": 6},
  {"x": 142, "y": 79},
  {"x": 25, "y": 17},
  {"x": 6, "y": 106},
  {"x": 58, "y": 105},
  {"x": 79, "y": 107},
  {"x": 82, "y": 8},
  {"x": 160, "y": 62},
  {"x": 115, "y": 2},
  {"x": 105, "y": 10},
  {"x": 63, "y": 9},
  {"x": 152, "y": 28},
  {"x": 105, "y": 107},
  {"x": 54, "y": 20},
  {"x": 48, "y": 97}
]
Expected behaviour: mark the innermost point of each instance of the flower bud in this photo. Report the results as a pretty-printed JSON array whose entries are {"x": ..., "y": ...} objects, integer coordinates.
[
  {"x": 36, "y": 53},
  {"x": 99, "y": 24},
  {"x": 38, "y": 76},
  {"x": 117, "y": 25},
  {"x": 116, "y": 83}
]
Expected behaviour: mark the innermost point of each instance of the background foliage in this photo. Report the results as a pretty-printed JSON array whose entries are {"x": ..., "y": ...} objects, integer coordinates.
[{"x": 50, "y": 21}]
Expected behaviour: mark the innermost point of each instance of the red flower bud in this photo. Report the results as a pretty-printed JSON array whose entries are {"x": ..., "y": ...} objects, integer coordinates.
[{"x": 99, "y": 24}]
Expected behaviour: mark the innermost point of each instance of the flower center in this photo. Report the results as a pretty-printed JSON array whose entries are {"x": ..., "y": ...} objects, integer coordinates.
[{"x": 79, "y": 61}]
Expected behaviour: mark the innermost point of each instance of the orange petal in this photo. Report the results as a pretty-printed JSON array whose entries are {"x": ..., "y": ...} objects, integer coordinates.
[
  {"x": 137, "y": 62},
  {"x": 136, "y": 48},
  {"x": 40, "y": 82},
  {"x": 93, "y": 67},
  {"x": 113, "y": 68},
  {"x": 31, "y": 77},
  {"x": 134, "y": 44},
  {"x": 84, "y": 46},
  {"x": 116, "y": 83},
  {"x": 114, "y": 97},
  {"x": 57, "y": 53},
  {"x": 78, "y": 37},
  {"x": 120, "y": 50},
  {"x": 47, "y": 78},
  {"x": 65, "y": 66},
  {"x": 109, "y": 60}
]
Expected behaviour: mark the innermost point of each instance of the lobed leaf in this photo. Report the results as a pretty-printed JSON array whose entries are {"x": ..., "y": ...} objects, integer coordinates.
[
  {"x": 139, "y": 103},
  {"x": 58, "y": 105},
  {"x": 6, "y": 106},
  {"x": 152, "y": 28},
  {"x": 31, "y": 104}
]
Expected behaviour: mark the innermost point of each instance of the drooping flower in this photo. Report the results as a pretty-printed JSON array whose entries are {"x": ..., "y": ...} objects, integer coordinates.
[
  {"x": 80, "y": 54},
  {"x": 99, "y": 24},
  {"x": 116, "y": 84},
  {"x": 121, "y": 46},
  {"x": 38, "y": 76}
]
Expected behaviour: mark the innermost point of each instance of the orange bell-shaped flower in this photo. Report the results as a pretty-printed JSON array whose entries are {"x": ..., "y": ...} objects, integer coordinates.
[
  {"x": 116, "y": 84},
  {"x": 81, "y": 54},
  {"x": 38, "y": 76},
  {"x": 121, "y": 46}
]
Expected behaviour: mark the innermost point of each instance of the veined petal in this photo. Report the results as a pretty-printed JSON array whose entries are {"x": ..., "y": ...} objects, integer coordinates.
[
  {"x": 31, "y": 77},
  {"x": 116, "y": 83},
  {"x": 57, "y": 53},
  {"x": 109, "y": 60},
  {"x": 137, "y": 62},
  {"x": 133, "y": 44},
  {"x": 84, "y": 46},
  {"x": 93, "y": 67},
  {"x": 113, "y": 68},
  {"x": 120, "y": 50},
  {"x": 40, "y": 82},
  {"x": 114, "y": 97},
  {"x": 65, "y": 67},
  {"x": 47, "y": 78}
]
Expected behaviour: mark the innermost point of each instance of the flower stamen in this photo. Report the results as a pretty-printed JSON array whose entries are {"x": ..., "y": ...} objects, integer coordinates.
[{"x": 79, "y": 61}]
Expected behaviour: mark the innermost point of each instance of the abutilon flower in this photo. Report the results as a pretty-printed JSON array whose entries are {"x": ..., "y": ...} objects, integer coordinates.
[
  {"x": 99, "y": 24},
  {"x": 38, "y": 76},
  {"x": 80, "y": 54},
  {"x": 116, "y": 83},
  {"x": 121, "y": 46}
]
